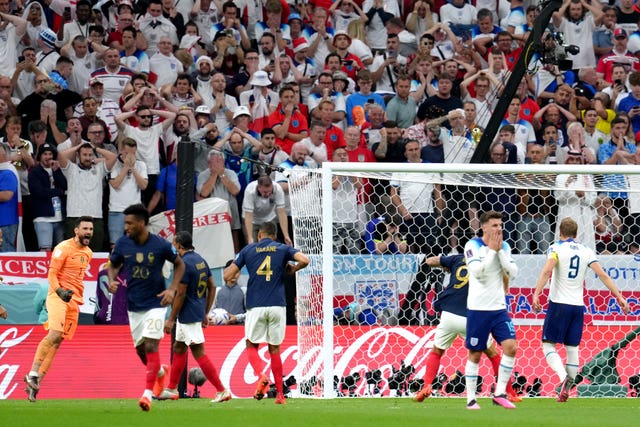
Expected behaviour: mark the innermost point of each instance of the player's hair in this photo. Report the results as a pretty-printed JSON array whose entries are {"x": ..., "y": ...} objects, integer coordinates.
[
  {"x": 568, "y": 228},
  {"x": 268, "y": 229},
  {"x": 82, "y": 219},
  {"x": 489, "y": 215},
  {"x": 139, "y": 211}
]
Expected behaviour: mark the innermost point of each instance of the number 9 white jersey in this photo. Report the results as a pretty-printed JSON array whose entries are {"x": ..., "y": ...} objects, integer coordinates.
[{"x": 567, "y": 279}]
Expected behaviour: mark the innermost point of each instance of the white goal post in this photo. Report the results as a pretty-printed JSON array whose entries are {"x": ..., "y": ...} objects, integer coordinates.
[{"x": 347, "y": 277}]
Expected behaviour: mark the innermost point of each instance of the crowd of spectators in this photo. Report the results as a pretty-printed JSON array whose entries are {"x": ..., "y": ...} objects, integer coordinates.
[{"x": 95, "y": 96}]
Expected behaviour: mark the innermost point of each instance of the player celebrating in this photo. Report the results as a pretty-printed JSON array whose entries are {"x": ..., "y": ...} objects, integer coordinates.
[
  {"x": 190, "y": 307},
  {"x": 452, "y": 303},
  {"x": 142, "y": 256},
  {"x": 489, "y": 261},
  {"x": 68, "y": 265},
  {"x": 266, "y": 261},
  {"x": 567, "y": 263}
]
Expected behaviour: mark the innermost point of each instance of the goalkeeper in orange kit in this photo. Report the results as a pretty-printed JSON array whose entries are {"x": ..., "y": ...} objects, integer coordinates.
[{"x": 69, "y": 262}]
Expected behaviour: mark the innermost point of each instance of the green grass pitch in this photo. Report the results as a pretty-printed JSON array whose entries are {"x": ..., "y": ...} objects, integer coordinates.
[{"x": 368, "y": 412}]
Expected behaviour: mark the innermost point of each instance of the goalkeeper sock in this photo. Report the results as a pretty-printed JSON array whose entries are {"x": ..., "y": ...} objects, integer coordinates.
[
  {"x": 573, "y": 361},
  {"x": 210, "y": 371},
  {"x": 433, "y": 364},
  {"x": 254, "y": 360},
  {"x": 276, "y": 369},
  {"x": 553, "y": 359},
  {"x": 504, "y": 374},
  {"x": 41, "y": 353},
  {"x": 153, "y": 366},
  {"x": 177, "y": 366},
  {"x": 48, "y": 360},
  {"x": 471, "y": 380}
]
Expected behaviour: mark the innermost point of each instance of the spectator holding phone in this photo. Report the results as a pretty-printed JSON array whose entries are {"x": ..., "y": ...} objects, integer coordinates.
[{"x": 351, "y": 64}]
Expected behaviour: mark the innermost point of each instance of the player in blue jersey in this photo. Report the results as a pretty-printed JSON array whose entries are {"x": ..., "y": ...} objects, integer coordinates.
[
  {"x": 452, "y": 304},
  {"x": 489, "y": 263},
  {"x": 566, "y": 268},
  {"x": 190, "y": 307},
  {"x": 141, "y": 256},
  {"x": 267, "y": 261}
]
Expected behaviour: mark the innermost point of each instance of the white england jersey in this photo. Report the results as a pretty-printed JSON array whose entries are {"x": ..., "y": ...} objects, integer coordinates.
[
  {"x": 486, "y": 289},
  {"x": 567, "y": 279}
]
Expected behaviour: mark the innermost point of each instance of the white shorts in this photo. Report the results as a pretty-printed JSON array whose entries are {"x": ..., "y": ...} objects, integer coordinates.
[
  {"x": 265, "y": 324},
  {"x": 147, "y": 324},
  {"x": 451, "y": 326},
  {"x": 189, "y": 333}
]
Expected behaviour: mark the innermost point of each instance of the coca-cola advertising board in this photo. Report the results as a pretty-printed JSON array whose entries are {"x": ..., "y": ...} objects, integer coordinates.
[{"x": 100, "y": 361}]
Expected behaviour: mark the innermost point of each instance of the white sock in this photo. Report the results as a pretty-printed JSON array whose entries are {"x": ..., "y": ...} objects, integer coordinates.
[
  {"x": 147, "y": 393},
  {"x": 471, "y": 380},
  {"x": 573, "y": 361},
  {"x": 553, "y": 360},
  {"x": 33, "y": 374},
  {"x": 504, "y": 373}
]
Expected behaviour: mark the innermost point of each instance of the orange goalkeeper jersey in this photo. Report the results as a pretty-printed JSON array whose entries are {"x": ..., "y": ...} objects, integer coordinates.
[{"x": 67, "y": 268}]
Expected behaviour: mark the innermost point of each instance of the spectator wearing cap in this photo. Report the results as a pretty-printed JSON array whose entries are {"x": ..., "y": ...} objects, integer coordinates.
[
  {"x": 402, "y": 107},
  {"x": 343, "y": 84},
  {"x": 14, "y": 28},
  {"x": 135, "y": 59},
  {"x": 344, "y": 12},
  {"x": 355, "y": 103},
  {"x": 273, "y": 24},
  {"x": 578, "y": 26},
  {"x": 619, "y": 55},
  {"x": 48, "y": 186},
  {"x": 305, "y": 67},
  {"x": 47, "y": 56},
  {"x": 295, "y": 25},
  {"x": 127, "y": 180},
  {"x": 221, "y": 182},
  {"x": 351, "y": 64},
  {"x": 261, "y": 101},
  {"x": 107, "y": 109}
]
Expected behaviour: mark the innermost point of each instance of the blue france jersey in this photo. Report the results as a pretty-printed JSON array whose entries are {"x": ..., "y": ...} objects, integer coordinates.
[
  {"x": 453, "y": 298},
  {"x": 142, "y": 269},
  {"x": 265, "y": 261},
  {"x": 196, "y": 276}
]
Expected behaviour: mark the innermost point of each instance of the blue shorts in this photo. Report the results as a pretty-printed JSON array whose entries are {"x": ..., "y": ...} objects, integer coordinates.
[
  {"x": 482, "y": 323},
  {"x": 563, "y": 324}
]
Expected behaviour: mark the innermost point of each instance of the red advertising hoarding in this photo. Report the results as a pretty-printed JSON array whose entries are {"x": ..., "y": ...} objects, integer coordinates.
[{"x": 100, "y": 362}]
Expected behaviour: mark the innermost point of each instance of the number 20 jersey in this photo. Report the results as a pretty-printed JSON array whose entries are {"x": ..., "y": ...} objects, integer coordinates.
[
  {"x": 567, "y": 279},
  {"x": 142, "y": 266}
]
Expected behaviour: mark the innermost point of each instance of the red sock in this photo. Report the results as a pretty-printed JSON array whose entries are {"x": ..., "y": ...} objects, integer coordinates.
[
  {"x": 153, "y": 366},
  {"x": 276, "y": 369},
  {"x": 254, "y": 360},
  {"x": 177, "y": 366},
  {"x": 433, "y": 364},
  {"x": 210, "y": 372}
]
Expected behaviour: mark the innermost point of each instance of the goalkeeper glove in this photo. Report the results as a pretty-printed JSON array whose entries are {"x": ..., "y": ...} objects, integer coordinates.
[{"x": 64, "y": 294}]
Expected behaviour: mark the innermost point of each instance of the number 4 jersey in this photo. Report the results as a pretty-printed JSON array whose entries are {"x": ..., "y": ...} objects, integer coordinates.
[
  {"x": 567, "y": 279},
  {"x": 266, "y": 261}
]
